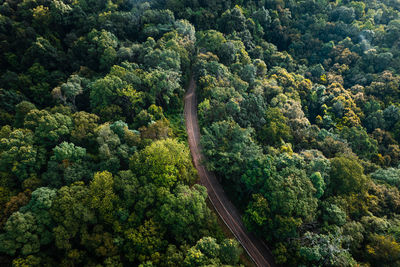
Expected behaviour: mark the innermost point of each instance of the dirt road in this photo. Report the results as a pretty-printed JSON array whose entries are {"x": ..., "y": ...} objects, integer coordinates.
[{"x": 256, "y": 249}]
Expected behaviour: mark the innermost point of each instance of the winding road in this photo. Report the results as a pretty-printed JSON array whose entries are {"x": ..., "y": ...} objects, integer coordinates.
[{"x": 255, "y": 248}]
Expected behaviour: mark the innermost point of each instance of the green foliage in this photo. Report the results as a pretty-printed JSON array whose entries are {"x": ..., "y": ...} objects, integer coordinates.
[
  {"x": 19, "y": 156},
  {"x": 49, "y": 128},
  {"x": 383, "y": 250},
  {"x": 103, "y": 91},
  {"x": 71, "y": 213},
  {"x": 165, "y": 163},
  {"x": 298, "y": 108},
  {"x": 144, "y": 243},
  {"x": 390, "y": 176},
  {"x": 85, "y": 124},
  {"x": 333, "y": 214},
  {"x": 228, "y": 147},
  {"x": 326, "y": 249},
  {"x": 69, "y": 152},
  {"x": 208, "y": 252},
  {"x": 346, "y": 176},
  {"x": 211, "y": 40},
  {"x": 276, "y": 128},
  {"x": 26, "y": 230},
  {"x": 319, "y": 184},
  {"x": 22, "y": 109},
  {"x": 286, "y": 200},
  {"x": 185, "y": 211},
  {"x": 360, "y": 142},
  {"x": 102, "y": 195}
]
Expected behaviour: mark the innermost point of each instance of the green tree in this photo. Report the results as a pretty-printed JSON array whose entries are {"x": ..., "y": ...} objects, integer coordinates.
[
  {"x": 19, "y": 156},
  {"x": 21, "y": 110},
  {"x": 145, "y": 242},
  {"x": 26, "y": 230},
  {"x": 276, "y": 128},
  {"x": 68, "y": 152},
  {"x": 325, "y": 249},
  {"x": 102, "y": 45},
  {"x": 184, "y": 213},
  {"x": 390, "y": 176},
  {"x": 102, "y": 196},
  {"x": 211, "y": 40},
  {"x": 230, "y": 251},
  {"x": 163, "y": 86},
  {"x": 384, "y": 250},
  {"x": 229, "y": 148},
  {"x": 49, "y": 128},
  {"x": 103, "y": 91},
  {"x": 346, "y": 176},
  {"x": 165, "y": 163},
  {"x": 360, "y": 142},
  {"x": 74, "y": 86},
  {"x": 71, "y": 213},
  {"x": 68, "y": 164},
  {"x": 284, "y": 201},
  {"x": 83, "y": 132},
  {"x": 318, "y": 183}
]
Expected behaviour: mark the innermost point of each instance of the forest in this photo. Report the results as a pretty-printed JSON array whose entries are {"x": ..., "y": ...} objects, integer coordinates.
[{"x": 299, "y": 109}]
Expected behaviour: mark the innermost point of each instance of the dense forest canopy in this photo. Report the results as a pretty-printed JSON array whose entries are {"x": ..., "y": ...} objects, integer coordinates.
[{"x": 299, "y": 108}]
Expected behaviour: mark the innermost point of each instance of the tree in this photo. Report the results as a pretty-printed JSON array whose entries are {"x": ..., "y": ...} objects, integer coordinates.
[
  {"x": 229, "y": 251},
  {"x": 156, "y": 130},
  {"x": 20, "y": 234},
  {"x": 19, "y": 156},
  {"x": 163, "y": 86},
  {"x": 14, "y": 204},
  {"x": 68, "y": 152},
  {"x": 233, "y": 20},
  {"x": 102, "y": 196},
  {"x": 276, "y": 128},
  {"x": 103, "y": 91},
  {"x": 284, "y": 201},
  {"x": 22, "y": 109},
  {"x": 109, "y": 148},
  {"x": 184, "y": 213},
  {"x": 211, "y": 40},
  {"x": 318, "y": 183},
  {"x": 74, "y": 86},
  {"x": 68, "y": 164},
  {"x": 165, "y": 163},
  {"x": 390, "y": 176},
  {"x": 384, "y": 249},
  {"x": 256, "y": 214},
  {"x": 83, "y": 132},
  {"x": 363, "y": 145},
  {"x": 71, "y": 213},
  {"x": 229, "y": 148},
  {"x": 166, "y": 59},
  {"x": 325, "y": 249},
  {"x": 49, "y": 128},
  {"x": 145, "y": 242},
  {"x": 101, "y": 48},
  {"x": 333, "y": 214},
  {"x": 346, "y": 176},
  {"x": 392, "y": 116},
  {"x": 208, "y": 252},
  {"x": 186, "y": 29},
  {"x": 26, "y": 230}
]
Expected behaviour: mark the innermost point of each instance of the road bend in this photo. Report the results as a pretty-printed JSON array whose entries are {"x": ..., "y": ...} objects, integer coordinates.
[{"x": 255, "y": 248}]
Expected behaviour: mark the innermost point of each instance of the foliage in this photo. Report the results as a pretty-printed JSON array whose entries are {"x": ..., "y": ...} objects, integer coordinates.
[{"x": 299, "y": 115}]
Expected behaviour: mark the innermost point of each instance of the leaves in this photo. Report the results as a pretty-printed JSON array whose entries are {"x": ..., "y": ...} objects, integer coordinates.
[{"x": 165, "y": 163}]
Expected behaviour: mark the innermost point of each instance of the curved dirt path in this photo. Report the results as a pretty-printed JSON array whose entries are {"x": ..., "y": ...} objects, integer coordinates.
[{"x": 255, "y": 248}]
